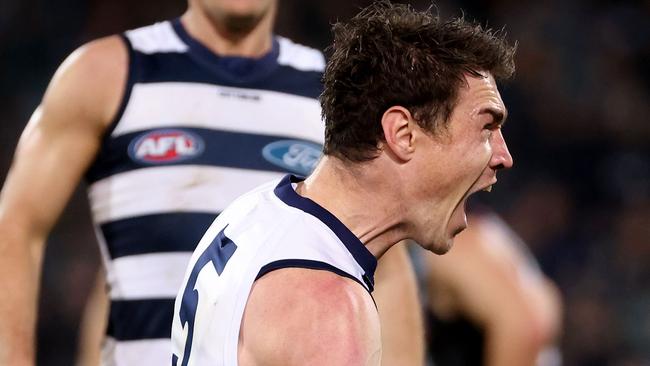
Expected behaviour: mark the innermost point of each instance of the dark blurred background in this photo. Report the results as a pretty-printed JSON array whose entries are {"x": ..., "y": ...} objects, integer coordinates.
[{"x": 579, "y": 131}]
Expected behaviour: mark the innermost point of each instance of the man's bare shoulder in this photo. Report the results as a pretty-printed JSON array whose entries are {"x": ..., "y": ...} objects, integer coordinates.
[
  {"x": 298, "y": 316},
  {"x": 100, "y": 57},
  {"x": 91, "y": 81}
]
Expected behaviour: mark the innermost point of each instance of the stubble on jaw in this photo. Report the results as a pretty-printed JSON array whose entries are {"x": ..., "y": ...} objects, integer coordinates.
[{"x": 240, "y": 24}]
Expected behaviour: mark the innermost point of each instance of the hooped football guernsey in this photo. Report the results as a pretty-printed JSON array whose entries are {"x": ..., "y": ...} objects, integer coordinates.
[
  {"x": 270, "y": 228},
  {"x": 194, "y": 131}
]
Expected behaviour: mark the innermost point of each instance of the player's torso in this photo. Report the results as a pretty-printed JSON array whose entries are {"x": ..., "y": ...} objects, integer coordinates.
[
  {"x": 194, "y": 131},
  {"x": 266, "y": 230}
]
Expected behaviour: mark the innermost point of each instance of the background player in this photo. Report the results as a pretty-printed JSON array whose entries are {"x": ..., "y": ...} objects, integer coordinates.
[
  {"x": 167, "y": 124},
  {"x": 413, "y": 127},
  {"x": 511, "y": 316}
]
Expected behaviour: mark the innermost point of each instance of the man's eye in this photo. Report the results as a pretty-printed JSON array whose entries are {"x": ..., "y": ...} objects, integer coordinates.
[{"x": 492, "y": 126}]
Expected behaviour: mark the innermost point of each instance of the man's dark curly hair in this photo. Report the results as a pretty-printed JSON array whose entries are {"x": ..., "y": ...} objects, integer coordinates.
[{"x": 389, "y": 55}]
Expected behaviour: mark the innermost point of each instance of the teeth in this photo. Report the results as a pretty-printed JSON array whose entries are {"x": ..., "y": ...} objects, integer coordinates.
[{"x": 488, "y": 189}]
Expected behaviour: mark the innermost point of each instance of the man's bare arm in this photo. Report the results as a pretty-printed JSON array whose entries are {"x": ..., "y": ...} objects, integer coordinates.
[
  {"x": 58, "y": 144},
  {"x": 93, "y": 324},
  {"x": 400, "y": 314},
  {"x": 309, "y": 317}
]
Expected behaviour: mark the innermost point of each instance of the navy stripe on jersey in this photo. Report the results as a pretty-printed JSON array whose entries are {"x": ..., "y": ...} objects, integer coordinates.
[
  {"x": 308, "y": 264},
  {"x": 128, "y": 87},
  {"x": 131, "y": 320},
  {"x": 183, "y": 67},
  {"x": 285, "y": 192},
  {"x": 169, "y": 232},
  {"x": 218, "y": 148}
]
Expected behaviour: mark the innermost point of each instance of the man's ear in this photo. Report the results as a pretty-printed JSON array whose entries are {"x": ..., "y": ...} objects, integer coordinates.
[{"x": 397, "y": 123}]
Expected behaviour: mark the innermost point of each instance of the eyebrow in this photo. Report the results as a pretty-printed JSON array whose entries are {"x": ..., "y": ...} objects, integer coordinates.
[{"x": 498, "y": 115}]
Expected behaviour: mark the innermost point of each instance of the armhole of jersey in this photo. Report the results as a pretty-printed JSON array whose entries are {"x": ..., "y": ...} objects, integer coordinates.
[
  {"x": 308, "y": 264},
  {"x": 130, "y": 81}
]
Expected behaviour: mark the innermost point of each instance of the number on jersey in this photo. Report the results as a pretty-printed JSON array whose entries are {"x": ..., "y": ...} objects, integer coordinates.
[{"x": 217, "y": 253}]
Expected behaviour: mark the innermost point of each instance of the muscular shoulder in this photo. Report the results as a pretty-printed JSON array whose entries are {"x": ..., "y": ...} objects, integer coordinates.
[
  {"x": 301, "y": 316},
  {"x": 90, "y": 82},
  {"x": 102, "y": 53}
]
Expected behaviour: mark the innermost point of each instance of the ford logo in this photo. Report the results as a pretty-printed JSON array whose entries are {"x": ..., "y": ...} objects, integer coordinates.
[{"x": 294, "y": 156}]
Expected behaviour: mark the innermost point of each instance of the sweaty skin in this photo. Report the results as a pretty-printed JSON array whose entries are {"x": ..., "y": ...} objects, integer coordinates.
[
  {"x": 470, "y": 152},
  {"x": 421, "y": 203},
  {"x": 332, "y": 321}
]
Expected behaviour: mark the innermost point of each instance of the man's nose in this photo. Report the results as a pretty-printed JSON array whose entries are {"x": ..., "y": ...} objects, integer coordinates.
[{"x": 501, "y": 158}]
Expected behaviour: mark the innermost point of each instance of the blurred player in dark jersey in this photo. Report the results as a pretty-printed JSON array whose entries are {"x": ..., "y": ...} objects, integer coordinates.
[{"x": 488, "y": 302}]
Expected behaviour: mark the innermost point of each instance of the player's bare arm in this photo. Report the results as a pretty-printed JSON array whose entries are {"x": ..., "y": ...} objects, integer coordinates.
[
  {"x": 400, "y": 314},
  {"x": 59, "y": 142},
  {"x": 93, "y": 323},
  {"x": 520, "y": 317},
  {"x": 309, "y": 317}
]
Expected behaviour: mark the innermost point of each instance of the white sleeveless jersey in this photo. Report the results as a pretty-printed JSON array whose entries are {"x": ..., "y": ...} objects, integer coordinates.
[
  {"x": 194, "y": 131},
  {"x": 267, "y": 229}
]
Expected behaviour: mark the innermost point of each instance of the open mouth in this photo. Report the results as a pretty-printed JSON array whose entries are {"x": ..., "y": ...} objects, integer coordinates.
[
  {"x": 461, "y": 218},
  {"x": 471, "y": 194},
  {"x": 485, "y": 188}
]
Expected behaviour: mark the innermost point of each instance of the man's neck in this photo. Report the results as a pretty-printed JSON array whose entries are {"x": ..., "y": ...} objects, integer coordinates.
[
  {"x": 254, "y": 43},
  {"x": 363, "y": 202}
]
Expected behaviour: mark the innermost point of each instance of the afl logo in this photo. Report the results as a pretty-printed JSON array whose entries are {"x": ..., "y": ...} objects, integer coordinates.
[
  {"x": 293, "y": 155},
  {"x": 165, "y": 146}
]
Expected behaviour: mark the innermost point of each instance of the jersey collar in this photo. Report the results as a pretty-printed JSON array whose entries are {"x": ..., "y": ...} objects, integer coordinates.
[
  {"x": 240, "y": 69},
  {"x": 285, "y": 192}
]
